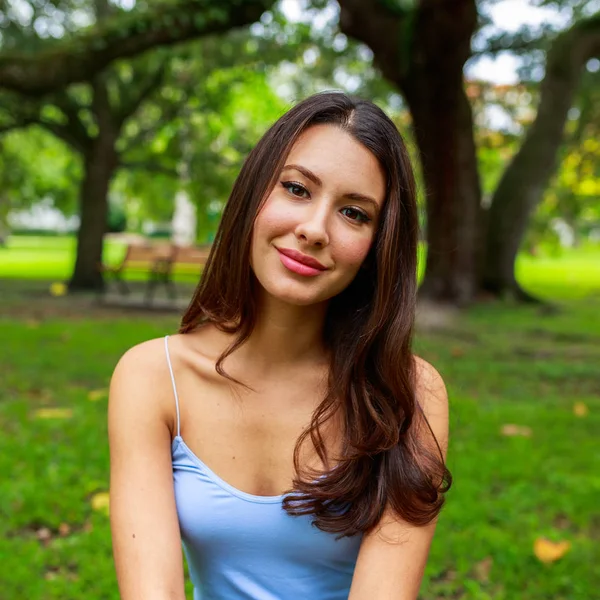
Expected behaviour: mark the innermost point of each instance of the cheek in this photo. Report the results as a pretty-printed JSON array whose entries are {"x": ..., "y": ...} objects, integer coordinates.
[
  {"x": 353, "y": 252},
  {"x": 274, "y": 217}
]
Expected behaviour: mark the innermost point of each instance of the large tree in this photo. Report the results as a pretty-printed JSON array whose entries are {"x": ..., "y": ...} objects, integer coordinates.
[
  {"x": 422, "y": 46},
  {"x": 92, "y": 116}
]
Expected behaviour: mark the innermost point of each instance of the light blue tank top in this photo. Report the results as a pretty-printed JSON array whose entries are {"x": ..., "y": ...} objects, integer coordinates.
[{"x": 244, "y": 547}]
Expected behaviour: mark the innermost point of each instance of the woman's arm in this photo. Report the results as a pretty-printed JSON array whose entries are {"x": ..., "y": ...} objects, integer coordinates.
[
  {"x": 392, "y": 559},
  {"x": 145, "y": 530}
]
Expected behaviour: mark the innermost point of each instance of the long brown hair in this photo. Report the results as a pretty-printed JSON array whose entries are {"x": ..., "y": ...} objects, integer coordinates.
[{"x": 368, "y": 330}]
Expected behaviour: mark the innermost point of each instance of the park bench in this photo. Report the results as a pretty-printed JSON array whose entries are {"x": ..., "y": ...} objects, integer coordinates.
[
  {"x": 185, "y": 262},
  {"x": 160, "y": 262},
  {"x": 189, "y": 260}
]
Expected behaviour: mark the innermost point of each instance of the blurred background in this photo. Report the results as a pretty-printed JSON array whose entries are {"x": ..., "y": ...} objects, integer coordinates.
[{"x": 122, "y": 127}]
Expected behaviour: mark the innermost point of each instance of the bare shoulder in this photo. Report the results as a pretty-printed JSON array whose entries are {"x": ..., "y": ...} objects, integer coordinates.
[
  {"x": 432, "y": 397},
  {"x": 141, "y": 383},
  {"x": 143, "y": 359},
  {"x": 431, "y": 388},
  {"x": 143, "y": 367}
]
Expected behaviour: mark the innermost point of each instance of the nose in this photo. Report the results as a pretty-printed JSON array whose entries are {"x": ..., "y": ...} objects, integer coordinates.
[{"x": 312, "y": 230}]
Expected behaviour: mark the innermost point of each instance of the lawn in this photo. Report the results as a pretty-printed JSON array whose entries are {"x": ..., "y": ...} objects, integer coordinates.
[
  {"x": 46, "y": 257},
  {"x": 533, "y": 369}
]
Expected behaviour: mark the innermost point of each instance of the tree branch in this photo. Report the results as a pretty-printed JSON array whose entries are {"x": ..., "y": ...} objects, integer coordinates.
[
  {"x": 132, "y": 101},
  {"x": 375, "y": 24},
  {"x": 523, "y": 182},
  {"x": 71, "y": 109},
  {"x": 63, "y": 132},
  {"x": 122, "y": 36},
  {"x": 26, "y": 112}
]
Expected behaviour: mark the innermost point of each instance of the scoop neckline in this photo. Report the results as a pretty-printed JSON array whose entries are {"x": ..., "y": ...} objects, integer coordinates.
[{"x": 221, "y": 482}]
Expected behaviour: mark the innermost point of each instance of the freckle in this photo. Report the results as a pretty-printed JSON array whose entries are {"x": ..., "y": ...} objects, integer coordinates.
[{"x": 134, "y": 535}]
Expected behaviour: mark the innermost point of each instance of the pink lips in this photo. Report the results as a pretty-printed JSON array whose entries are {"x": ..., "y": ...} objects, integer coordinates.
[{"x": 300, "y": 263}]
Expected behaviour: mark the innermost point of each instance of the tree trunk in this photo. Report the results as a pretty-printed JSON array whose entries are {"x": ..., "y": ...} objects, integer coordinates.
[
  {"x": 99, "y": 167},
  {"x": 523, "y": 183},
  {"x": 422, "y": 51},
  {"x": 442, "y": 121},
  {"x": 100, "y": 163}
]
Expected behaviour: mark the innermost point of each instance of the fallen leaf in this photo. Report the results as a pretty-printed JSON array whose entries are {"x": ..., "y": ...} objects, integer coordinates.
[
  {"x": 43, "y": 534},
  {"x": 548, "y": 551},
  {"x": 513, "y": 430},
  {"x": 482, "y": 569},
  {"x": 97, "y": 394},
  {"x": 58, "y": 289},
  {"x": 562, "y": 522},
  {"x": 580, "y": 409},
  {"x": 64, "y": 529},
  {"x": 53, "y": 413},
  {"x": 101, "y": 502},
  {"x": 457, "y": 352},
  {"x": 39, "y": 394}
]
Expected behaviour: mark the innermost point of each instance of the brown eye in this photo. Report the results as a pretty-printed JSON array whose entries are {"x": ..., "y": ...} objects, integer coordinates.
[
  {"x": 295, "y": 189},
  {"x": 354, "y": 214}
]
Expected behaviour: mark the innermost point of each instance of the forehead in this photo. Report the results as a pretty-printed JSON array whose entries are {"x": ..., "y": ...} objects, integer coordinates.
[{"x": 338, "y": 159}]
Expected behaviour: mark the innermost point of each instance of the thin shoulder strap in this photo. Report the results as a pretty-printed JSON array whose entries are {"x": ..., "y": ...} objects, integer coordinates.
[{"x": 173, "y": 382}]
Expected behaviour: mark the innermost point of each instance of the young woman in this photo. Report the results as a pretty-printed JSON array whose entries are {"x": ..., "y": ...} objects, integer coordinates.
[{"x": 287, "y": 435}]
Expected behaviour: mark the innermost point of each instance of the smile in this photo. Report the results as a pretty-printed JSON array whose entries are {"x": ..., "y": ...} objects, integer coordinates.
[{"x": 299, "y": 263}]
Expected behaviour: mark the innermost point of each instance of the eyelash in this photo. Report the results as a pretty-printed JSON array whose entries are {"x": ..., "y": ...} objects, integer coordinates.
[{"x": 290, "y": 185}]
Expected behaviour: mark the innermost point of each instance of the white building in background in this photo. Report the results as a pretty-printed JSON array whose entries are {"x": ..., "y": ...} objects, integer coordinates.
[{"x": 43, "y": 215}]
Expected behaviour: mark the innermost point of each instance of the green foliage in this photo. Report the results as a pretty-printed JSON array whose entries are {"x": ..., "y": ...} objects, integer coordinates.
[
  {"x": 204, "y": 105},
  {"x": 34, "y": 165},
  {"x": 191, "y": 113},
  {"x": 574, "y": 194},
  {"x": 117, "y": 218}
]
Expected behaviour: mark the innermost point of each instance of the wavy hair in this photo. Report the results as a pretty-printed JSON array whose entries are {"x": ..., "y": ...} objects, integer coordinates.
[{"x": 368, "y": 331}]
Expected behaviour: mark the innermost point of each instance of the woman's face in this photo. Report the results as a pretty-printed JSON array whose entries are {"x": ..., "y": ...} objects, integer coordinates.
[{"x": 316, "y": 227}]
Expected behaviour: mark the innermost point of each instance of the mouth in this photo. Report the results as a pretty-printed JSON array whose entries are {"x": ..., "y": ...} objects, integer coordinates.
[{"x": 300, "y": 263}]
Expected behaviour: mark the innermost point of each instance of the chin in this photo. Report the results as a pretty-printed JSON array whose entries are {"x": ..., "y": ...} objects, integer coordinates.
[{"x": 295, "y": 297}]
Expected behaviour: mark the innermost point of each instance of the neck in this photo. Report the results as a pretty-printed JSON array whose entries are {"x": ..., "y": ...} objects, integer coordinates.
[{"x": 284, "y": 336}]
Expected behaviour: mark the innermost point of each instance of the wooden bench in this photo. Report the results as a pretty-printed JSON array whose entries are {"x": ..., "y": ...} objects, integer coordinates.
[
  {"x": 160, "y": 262},
  {"x": 151, "y": 259},
  {"x": 189, "y": 259}
]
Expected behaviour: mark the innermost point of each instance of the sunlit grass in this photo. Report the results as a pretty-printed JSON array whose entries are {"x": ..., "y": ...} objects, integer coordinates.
[{"x": 46, "y": 257}]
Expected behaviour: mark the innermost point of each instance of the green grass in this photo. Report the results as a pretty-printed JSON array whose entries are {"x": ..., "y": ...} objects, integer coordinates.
[
  {"x": 502, "y": 365},
  {"x": 41, "y": 257},
  {"x": 30, "y": 257},
  {"x": 572, "y": 273}
]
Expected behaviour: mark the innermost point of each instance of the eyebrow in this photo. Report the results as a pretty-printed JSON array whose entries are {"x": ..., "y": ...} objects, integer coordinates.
[{"x": 317, "y": 181}]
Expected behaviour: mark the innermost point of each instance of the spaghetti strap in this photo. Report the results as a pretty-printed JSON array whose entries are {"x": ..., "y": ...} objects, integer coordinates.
[{"x": 173, "y": 382}]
